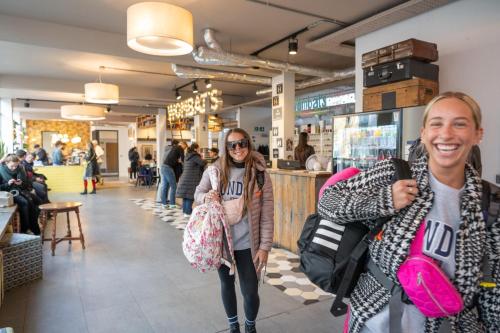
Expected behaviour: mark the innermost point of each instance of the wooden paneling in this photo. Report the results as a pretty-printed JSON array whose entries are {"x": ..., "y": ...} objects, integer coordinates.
[
  {"x": 34, "y": 130},
  {"x": 63, "y": 178},
  {"x": 295, "y": 198}
]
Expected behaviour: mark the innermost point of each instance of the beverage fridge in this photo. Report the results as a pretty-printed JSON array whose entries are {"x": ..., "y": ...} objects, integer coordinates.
[{"x": 362, "y": 139}]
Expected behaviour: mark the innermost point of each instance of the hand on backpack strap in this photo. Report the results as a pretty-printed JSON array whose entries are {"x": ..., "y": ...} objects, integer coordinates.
[
  {"x": 404, "y": 193},
  {"x": 212, "y": 196}
]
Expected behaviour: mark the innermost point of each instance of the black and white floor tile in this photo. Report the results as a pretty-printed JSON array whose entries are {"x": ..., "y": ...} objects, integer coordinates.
[{"x": 282, "y": 272}]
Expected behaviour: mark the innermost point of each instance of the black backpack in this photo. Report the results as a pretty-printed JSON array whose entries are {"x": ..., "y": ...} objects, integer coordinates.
[{"x": 334, "y": 255}]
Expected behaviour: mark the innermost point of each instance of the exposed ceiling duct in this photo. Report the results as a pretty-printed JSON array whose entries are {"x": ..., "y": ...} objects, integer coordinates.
[
  {"x": 334, "y": 43},
  {"x": 217, "y": 56},
  {"x": 343, "y": 74},
  {"x": 187, "y": 72}
]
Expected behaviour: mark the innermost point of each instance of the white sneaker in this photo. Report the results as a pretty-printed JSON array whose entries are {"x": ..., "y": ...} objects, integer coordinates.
[
  {"x": 187, "y": 215},
  {"x": 173, "y": 207}
]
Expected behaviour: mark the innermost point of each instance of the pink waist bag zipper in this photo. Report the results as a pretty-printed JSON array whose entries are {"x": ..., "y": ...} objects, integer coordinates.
[{"x": 425, "y": 283}]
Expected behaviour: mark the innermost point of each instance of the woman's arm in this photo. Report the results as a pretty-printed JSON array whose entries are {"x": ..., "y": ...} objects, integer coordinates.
[
  {"x": 365, "y": 196},
  {"x": 203, "y": 188},
  {"x": 267, "y": 215}
]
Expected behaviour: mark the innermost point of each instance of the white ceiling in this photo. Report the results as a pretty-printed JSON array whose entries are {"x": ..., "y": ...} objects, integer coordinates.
[{"x": 50, "y": 48}]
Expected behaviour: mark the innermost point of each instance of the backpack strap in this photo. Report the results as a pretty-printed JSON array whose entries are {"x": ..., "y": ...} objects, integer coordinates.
[
  {"x": 490, "y": 205},
  {"x": 261, "y": 178},
  {"x": 402, "y": 171}
]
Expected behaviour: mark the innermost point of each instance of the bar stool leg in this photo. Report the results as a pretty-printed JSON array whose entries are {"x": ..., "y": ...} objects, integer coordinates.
[
  {"x": 53, "y": 243},
  {"x": 69, "y": 228},
  {"x": 82, "y": 239}
]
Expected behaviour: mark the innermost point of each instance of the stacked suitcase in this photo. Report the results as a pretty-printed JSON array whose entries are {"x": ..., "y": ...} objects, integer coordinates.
[{"x": 400, "y": 75}]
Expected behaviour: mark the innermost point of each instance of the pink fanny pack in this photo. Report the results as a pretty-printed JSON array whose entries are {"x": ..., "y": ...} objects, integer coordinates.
[{"x": 425, "y": 283}]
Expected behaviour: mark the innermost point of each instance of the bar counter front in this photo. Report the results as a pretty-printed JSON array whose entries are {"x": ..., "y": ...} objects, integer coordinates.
[
  {"x": 295, "y": 198},
  {"x": 63, "y": 178}
]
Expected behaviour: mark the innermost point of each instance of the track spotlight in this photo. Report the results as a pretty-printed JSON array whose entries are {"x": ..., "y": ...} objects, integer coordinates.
[
  {"x": 208, "y": 83},
  {"x": 27, "y": 104},
  {"x": 177, "y": 95},
  {"x": 293, "y": 46},
  {"x": 195, "y": 88},
  {"x": 108, "y": 109}
]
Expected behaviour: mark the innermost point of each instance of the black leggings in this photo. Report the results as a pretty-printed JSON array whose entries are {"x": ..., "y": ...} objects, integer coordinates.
[
  {"x": 28, "y": 213},
  {"x": 248, "y": 285}
]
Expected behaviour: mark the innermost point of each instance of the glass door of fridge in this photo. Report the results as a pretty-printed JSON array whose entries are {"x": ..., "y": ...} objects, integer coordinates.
[{"x": 361, "y": 140}]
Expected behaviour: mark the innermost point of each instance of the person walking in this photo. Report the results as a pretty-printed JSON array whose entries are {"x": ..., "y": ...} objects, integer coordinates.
[
  {"x": 190, "y": 178},
  {"x": 171, "y": 160},
  {"x": 100, "y": 154},
  {"x": 442, "y": 201},
  {"x": 240, "y": 169},
  {"x": 91, "y": 169},
  {"x": 133, "y": 157}
]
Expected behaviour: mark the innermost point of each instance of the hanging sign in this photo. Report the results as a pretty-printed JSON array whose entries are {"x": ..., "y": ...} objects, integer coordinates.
[{"x": 196, "y": 105}]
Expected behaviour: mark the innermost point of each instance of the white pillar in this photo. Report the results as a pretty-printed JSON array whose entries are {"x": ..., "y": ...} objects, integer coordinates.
[
  {"x": 6, "y": 124},
  {"x": 201, "y": 130},
  {"x": 283, "y": 109},
  {"x": 161, "y": 133}
]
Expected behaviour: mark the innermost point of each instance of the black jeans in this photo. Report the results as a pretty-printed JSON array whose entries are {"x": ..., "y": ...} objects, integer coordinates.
[
  {"x": 248, "y": 285},
  {"x": 28, "y": 213}
]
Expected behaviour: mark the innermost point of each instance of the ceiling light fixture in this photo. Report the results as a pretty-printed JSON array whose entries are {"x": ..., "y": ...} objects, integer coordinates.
[
  {"x": 83, "y": 112},
  {"x": 208, "y": 83},
  {"x": 293, "y": 46},
  {"x": 158, "y": 28},
  {"x": 101, "y": 93},
  {"x": 195, "y": 88},
  {"x": 177, "y": 95}
]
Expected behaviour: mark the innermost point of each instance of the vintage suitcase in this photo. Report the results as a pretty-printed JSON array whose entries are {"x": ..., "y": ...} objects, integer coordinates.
[
  {"x": 401, "y": 94},
  {"x": 22, "y": 259},
  {"x": 411, "y": 48},
  {"x": 399, "y": 70}
]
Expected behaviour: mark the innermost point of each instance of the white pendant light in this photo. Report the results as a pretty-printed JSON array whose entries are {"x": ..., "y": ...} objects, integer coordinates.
[
  {"x": 101, "y": 93},
  {"x": 82, "y": 112},
  {"x": 158, "y": 28}
]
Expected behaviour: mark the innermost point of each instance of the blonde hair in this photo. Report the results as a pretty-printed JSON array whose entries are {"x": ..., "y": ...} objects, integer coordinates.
[{"x": 471, "y": 103}]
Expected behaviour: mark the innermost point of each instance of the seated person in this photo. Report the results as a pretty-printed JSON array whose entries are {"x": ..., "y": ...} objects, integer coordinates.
[
  {"x": 37, "y": 181},
  {"x": 13, "y": 179},
  {"x": 148, "y": 160},
  {"x": 41, "y": 155}
]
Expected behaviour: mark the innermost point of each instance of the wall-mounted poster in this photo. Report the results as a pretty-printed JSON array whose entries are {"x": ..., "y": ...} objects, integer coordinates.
[
  {"x": 279, "y": 88},
  {"x": 279, "y": 142},
  {"x": 277, "y": 113},
  {"x": 276, "y": 153},
  {"x": 275, "y": 131},
  {"x": 289, "y": 144},
  {"x": 276, "y": 100}
]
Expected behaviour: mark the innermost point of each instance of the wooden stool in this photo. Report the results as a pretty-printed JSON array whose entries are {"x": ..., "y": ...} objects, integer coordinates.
[{"x": 55, "y": 208}]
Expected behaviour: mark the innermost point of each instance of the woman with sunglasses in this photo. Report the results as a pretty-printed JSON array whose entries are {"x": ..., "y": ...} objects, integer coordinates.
[{"x": 252, "y": 236}]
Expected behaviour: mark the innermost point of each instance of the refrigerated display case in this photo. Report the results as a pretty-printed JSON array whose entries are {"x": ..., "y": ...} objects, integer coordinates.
[{"x": 362, "y": 139}]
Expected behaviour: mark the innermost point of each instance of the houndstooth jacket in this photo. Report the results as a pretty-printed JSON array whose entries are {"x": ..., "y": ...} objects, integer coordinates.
[{"x": 369, "y": 196}]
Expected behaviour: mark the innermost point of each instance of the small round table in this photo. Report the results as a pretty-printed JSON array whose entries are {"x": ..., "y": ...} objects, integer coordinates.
[{"x": 55, "y": 208}]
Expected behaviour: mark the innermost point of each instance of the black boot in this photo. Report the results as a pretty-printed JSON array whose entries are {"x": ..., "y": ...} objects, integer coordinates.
[
  {"x": 84, "y": 191},
  {"x": 93, "y": 192},
  {"x": 234, "y": 328},
  {"x": 250, "y": 328}
]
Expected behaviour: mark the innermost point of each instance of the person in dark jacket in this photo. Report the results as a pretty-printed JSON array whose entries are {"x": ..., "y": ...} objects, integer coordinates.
[
  {"x": 13, "y": 179},
  {"x": 37, "y": 181},
  {"x": 41, "y": 154},
  {"x": 133, "y": 157},
  {"x": 91, "y": 169},
  {"x": 172, "y": 158},
  {"x": 191, "y": 176},
  {"x": 303, "y": 150}
]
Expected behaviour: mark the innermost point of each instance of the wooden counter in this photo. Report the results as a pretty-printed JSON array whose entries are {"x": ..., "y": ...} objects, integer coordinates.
[
  {"x": 63, "y": 178},
  {"x": 295, "y": 198}
]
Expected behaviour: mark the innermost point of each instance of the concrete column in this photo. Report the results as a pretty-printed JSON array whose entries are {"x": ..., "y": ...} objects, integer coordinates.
[
  {"x": 283, "y": 116},
  {"x": 6, "y": 124},
  {"x": 201, "y": 130}
]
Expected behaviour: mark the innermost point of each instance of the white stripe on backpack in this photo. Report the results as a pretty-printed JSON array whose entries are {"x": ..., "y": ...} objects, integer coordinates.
[
  {"x": 329, "y": 234},
  {"x": 325, "y": 243},
  {"x": 332, "y": 225}
]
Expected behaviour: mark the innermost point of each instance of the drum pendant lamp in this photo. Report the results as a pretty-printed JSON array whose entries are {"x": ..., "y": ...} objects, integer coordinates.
[
  {"x": 82, "y": 112},
  {"x": 159, "y": 28}
]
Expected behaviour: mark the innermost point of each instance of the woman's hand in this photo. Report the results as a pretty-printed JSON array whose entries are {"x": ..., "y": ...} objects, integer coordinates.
[
  {"x": 260, "y": 260},
  {"x": 212, "y": 196},
  {"x": 403, "y": 193},
  {"x": 11, "y": 181}
]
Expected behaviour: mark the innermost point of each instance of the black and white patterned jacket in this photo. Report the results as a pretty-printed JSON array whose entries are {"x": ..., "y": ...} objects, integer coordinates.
[{"x": 369, "y": 196}]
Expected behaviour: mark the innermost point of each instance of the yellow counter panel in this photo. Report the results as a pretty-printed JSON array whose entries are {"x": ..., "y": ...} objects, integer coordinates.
[{"x": 63, "y": 178}]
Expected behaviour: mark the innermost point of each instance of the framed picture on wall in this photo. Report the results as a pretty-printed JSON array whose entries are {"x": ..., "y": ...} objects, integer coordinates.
[
  {"x": 146, "y": 149},
  {"x": 275, "y": 131},
  {"x": 276, "y": 100},
  {"x": 279, "y": 142},
  {"x": 276, "y": 153}
]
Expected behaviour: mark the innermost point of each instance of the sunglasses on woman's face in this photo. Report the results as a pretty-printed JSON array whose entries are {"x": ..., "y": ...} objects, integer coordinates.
[{"x": 231, "y": 145}]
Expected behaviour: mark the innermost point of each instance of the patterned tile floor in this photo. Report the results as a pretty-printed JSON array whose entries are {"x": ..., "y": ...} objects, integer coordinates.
[{"x": 282, "y": 267}]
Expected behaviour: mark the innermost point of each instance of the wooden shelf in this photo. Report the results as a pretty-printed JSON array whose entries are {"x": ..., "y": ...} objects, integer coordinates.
[{"x": 147, "y": 121}]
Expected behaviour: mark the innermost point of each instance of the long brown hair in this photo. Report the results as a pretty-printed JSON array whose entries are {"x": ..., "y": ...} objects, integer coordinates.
[
  {"x": 302, "y": 142},
  {"x": 227, "y": 162}
]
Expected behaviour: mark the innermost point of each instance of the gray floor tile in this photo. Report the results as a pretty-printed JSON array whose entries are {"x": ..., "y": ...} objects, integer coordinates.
[{"x": 125, "y": 318}]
